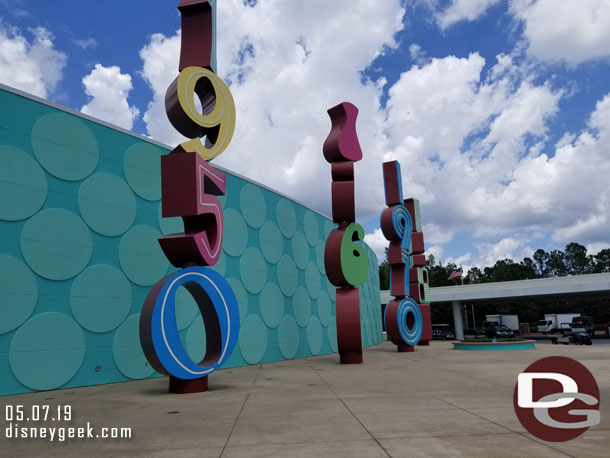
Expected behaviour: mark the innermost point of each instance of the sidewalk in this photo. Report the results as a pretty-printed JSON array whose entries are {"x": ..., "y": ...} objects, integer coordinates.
[{"x": 434, "y": 402}]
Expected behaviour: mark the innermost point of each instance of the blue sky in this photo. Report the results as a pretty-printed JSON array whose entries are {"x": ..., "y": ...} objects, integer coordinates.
[{"x": 497, "y": 110}]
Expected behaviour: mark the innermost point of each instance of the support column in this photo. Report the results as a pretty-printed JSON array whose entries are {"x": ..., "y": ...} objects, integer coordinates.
[{"x": 458, "y": 323}]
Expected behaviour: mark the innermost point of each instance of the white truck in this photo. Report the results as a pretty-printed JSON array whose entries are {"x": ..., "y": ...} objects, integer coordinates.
[
  {"x": 510, "y": 321},
  {"x": 556, "y": 321}
]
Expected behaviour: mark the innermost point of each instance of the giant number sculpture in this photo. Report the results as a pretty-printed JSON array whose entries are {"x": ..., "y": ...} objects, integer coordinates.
[
  {"x": 344, "y": 258},
  {"x": 407, "y": 319},
  {"x": 189, "y": 188}
]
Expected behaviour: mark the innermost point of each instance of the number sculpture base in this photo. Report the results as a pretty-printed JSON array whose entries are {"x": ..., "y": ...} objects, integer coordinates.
[{"x": 181, "y": 386}]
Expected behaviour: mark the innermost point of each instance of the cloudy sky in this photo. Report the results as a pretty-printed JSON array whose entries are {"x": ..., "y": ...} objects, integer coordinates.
[{"x": 499, "y": 111}]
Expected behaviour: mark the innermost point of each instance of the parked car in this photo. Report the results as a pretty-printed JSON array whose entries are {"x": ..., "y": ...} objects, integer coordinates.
[
  {"x": 442, "y": 332},
  {"x": 498, "y": 330},
  {"x": 585, "y": 322},
  {"x": 577, "y": 336}
]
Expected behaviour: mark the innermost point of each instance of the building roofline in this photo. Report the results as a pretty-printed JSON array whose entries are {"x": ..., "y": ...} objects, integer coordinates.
[{"x": 79, "y": 114}]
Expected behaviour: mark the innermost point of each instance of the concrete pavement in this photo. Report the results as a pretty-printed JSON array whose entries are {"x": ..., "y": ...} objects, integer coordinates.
[{"x": 434, "y": 402}]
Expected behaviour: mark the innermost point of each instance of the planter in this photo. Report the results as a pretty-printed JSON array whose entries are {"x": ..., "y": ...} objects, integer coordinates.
[{"x": 496, "y": 346}]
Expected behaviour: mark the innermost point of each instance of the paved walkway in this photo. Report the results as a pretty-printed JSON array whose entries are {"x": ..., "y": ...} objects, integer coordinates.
[{"x": 434, "y": 402}]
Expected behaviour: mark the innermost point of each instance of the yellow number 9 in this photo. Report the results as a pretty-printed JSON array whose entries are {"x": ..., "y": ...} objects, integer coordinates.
[{"x": 217, "y": 117}]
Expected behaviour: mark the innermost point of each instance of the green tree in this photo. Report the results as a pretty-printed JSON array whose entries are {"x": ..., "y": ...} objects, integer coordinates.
[
  {"x": 476, "y": 275},
  {"x": 576, "y": 259},
  {"x": 602, "y": 261},
  {"x": 541, "y": 260},
  {"x": 556, "y": 264},
  {"x": 384, "y": 275}
]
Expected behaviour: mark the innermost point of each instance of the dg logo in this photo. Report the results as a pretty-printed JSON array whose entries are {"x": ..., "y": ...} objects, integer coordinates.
[{"x": 557, "y": 399}]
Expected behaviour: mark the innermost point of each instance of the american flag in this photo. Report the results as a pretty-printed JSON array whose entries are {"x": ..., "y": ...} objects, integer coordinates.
[{"x": 457, "y": 273}]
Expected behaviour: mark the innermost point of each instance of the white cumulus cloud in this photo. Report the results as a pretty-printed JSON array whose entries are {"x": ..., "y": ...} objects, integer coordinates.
[
  {"x": 463, "y": 10},
  {"x": 32, "y": 66},
  {"x": 573, "y": 31},
  {"x": 108, "y": 89}
]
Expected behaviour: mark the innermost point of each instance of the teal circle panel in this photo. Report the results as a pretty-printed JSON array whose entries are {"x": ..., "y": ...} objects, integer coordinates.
[
  {"x": 271, "y": 242},
  {"x": 312, "y": 231},
  {"x": 23, "y": 184},
  {"x": 328, "y": 227},
  {"x": 320, "y": 257},
  {"x": 18, "y": 293},
  {"x": 253, "y": 206},
  {"x": 301, "y": 306},
  {"x": 242, "y": 297},
  {"x": 288, "y": 337},
  {"x": 169, "y": 226},
  {"x": 65, "y": 146},
  {"x": 332, "y": 334},
  {"x": 235, "y": 233},
  {"x": 186, "y": 308},
  {"x": 286, "y": 218},
  {"x": 100, "y": 298},
  {"x": 142, "y": 167},
  {"x": 287, "y": 275},
  {"x": 141, "y": 257},
  {"x": 314, "y": 335},
  {"x": 127, "y": 350},
  {"x": 56, "y": 244},
  {"x": 195, "y": 341},
  {"x": 324, "y": 308},
  {"x": 107, "y": 204},
  {"x": 221, "y": 264},
  {"x": 300, "y": 250},
  {"x": 272, "y": 305},
  {"x": 330, "y": 288},
  {"x": 312, "y": 280},
  {"x": 369, "y": 333},
  {"x": 253, "y": 339},
  {"x": 253, "y": 270},
  {"x": 47, "y": 351}
]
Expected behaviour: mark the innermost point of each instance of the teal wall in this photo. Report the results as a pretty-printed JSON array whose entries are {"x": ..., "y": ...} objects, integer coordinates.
[{"x": 80, "y": 214}]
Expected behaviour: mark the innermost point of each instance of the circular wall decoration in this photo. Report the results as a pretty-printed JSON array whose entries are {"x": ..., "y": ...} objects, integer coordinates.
[
  {"x": 332, "y": 334},
  {"x": 196, "y": 341},
  {"x": 312, "y": 280},
  {"x": 253, "y": 206},
  {"x": 235, "y": 233},
  {"x": 56, "y": 244},
  {"x": 107, "y": 204},
  {"x": 287, "y": 276},
  {"x": 324, "y": 308},
  {"x": 18, "y": 293},
  {"x": 288, "y": 337},
  {"x": 242, "y": 297},
  {"x": 314, "y": 335},
  {"x": 100, "y": 298},
  {"x": 142, "y": 168},
  {"x": 310, "y": 222},
  {"x": 23, "y": 184},
  {"x": 127, "y": 350},
  {"x": 253, "y": 270},
  {"x": 253, "y": 339},
  {"x": 65, "y": 146},
  {"x": 47, "y": 351},
  {"x": 300, "y": 250},
  {"x": 301, "y": 306},
  {"x": 168, "y": 226},
  {"x": 271, "y": 242},
  {"x": 320, "y": 257},
  {"x": 286, "y": 218},
  {"x": 272, "y": 305},
  {"x": 141, "y": 257}
]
